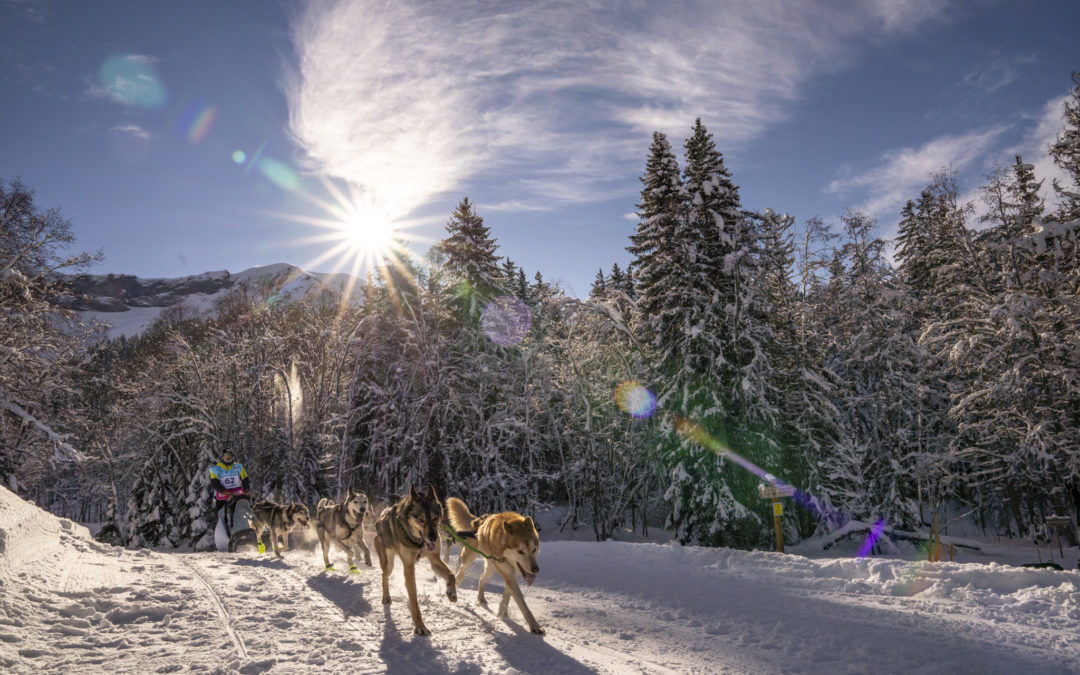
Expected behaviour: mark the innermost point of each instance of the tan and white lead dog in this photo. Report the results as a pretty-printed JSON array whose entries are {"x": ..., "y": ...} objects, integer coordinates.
[{"x": 512, "y": 543}]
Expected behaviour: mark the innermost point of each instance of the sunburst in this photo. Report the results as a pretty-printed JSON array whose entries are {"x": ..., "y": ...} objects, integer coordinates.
[{"x": 361, "y": 234}]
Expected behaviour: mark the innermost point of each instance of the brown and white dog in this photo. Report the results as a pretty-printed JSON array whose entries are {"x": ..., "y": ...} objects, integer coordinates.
[
  {"x": 410, "y": 530},
  {"x": 512, "y": 543}
]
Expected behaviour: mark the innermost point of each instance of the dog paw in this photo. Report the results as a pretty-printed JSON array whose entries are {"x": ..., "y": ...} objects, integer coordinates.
[
  {"x": 386, "y": 600},
  {"x": 536, "y": 630},
  {"x": 421, "y": 630},
  {"x": 329, "y": 568},
  {"x": 353, "y": 569},
  {"x": 451, "y": 592}
]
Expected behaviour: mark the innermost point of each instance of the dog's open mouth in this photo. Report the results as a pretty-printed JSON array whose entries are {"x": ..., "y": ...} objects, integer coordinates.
[{"x": 529, "y": 577}]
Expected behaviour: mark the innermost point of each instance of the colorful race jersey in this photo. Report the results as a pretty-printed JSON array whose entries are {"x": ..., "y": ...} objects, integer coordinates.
[{"x": 231, "y": 477}]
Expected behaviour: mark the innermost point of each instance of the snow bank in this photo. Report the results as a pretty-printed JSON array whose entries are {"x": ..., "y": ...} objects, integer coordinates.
[{"x": 25, "y": 530}]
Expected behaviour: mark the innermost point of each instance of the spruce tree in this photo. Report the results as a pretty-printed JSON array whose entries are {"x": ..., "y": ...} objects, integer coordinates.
[
  {"x": 1066, "y": 153},
  {"x": 658, "y": 267},
  {"x": 470, "y": 258}
]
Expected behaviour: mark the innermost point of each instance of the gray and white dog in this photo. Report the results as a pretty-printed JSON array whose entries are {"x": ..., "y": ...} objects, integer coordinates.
[
  {"x": 281, "y": 519},
  {"x": 343, "y": 525}
]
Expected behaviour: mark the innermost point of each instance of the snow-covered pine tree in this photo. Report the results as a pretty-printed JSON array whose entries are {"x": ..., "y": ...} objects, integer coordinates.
[
  {"x": 1015, "y": 416},
  {"x": 704, "y": 316},
  {"x": 599, "y": 286},
  {"x": 470, "y": 258},
  {"x": 872, "y": 352},
  {"x": 939, "y": 269},
  {"x": 659, "y": 256},
  {"x": 1066, "y": 153},
  {"x": 621, "y": 281},
  {"x": 806, "y": 426}
]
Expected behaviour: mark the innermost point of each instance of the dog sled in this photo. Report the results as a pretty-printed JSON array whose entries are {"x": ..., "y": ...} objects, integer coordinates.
[{"x": 235, "y": 530}]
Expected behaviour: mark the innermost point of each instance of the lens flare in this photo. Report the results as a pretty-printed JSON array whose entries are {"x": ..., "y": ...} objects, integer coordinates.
[
  {"x": 635, "y": 399},
  {"x": 201, "y": 124},
  {"x": 278, "y": 173},
  {"x": 239, "y": 157},
  {"x": 506, "y": 320},
  {"x": 129, "y": 79},
  {"x": 871, "y": 539}
]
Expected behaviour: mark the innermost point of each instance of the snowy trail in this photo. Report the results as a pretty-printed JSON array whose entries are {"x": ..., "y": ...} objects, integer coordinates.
[{"x": 72, "y": 604}]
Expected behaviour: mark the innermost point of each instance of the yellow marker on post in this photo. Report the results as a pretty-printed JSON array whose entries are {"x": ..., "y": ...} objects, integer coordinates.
[{"x": 774, "y": 492}]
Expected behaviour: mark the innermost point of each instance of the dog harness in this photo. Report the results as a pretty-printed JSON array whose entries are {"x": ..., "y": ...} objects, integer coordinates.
[{"x": 231, "y": 477}]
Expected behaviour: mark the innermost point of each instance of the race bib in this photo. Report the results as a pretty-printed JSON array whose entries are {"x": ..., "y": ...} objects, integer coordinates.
[{"x": 231, "y": 482}]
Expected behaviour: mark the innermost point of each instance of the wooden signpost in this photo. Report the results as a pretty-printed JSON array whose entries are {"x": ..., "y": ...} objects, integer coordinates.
[
  {"x": 1056, "y": 524},
  {"x": 774, "y": 493}
]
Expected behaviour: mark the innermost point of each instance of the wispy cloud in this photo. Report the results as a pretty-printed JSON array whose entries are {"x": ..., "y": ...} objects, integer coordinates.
[
  {"x": 132, "y": 130},
  {"x": 901, "y": 174},
  {"x": 998, "y": 73},
  {"x": 409, "y": 100}
]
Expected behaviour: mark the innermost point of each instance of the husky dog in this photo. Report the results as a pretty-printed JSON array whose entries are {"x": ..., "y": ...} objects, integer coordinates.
[
  {"x": 281, "y": 519},
  {"x": 511, "y": 542},
  {"x": 409, "y": 530},
  {"x": 343, "y": 524}
]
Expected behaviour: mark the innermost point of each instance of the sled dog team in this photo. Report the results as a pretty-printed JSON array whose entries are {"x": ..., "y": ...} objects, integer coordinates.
[{"x": 410, "y": 530}]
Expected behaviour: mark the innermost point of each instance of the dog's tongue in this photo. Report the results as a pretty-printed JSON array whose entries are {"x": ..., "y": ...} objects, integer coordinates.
[
  {"x": 529, "y": 577},
  {"x": 429, "y": 545}
]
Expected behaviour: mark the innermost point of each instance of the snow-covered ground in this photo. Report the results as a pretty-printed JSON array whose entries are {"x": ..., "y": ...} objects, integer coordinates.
[{"x": 71, "y": 604}]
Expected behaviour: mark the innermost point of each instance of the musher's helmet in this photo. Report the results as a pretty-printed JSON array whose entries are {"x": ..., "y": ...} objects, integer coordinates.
[{"x": 227, "y": 457}]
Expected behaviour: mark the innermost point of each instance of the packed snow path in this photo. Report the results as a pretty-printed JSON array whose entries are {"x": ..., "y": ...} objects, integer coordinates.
[{"x": 72, "y": 604}]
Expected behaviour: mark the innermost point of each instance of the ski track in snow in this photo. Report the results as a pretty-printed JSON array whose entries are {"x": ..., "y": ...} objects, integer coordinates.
[{"x": 71, "y": 604}]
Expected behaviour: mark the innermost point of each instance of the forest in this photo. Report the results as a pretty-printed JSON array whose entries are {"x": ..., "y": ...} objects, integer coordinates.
[{"x": 883, "y": 379}]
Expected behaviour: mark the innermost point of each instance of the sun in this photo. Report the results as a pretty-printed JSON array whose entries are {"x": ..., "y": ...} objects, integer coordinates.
[
  {"x": 368, "y": 237},
  {"x": 357, "y": 236}
]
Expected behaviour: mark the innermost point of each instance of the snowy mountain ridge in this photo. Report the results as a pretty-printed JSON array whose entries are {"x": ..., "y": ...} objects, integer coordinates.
[{"x": 129, "y": 304}]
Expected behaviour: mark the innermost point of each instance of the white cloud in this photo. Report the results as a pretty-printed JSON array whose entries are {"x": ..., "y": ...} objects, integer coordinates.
[
  {"x": 555, "y": 97},
  {"x": 132, "y": 130},
  {"x": 901, "y": 174},
  {"x": 998, "y": 73}
]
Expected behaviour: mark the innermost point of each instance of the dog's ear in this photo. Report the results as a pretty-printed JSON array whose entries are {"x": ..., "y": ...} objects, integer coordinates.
[
  {"x": 430, "y": 494},
  {"x": 413, "y": 494},
  {"x": 529, "y": 523}
]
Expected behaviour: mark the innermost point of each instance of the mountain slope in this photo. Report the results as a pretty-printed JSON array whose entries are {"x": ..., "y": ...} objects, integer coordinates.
[{"x": 128, "y": 304}]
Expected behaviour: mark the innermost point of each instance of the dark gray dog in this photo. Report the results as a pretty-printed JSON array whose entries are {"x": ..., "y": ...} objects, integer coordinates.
[{"x": 409, "y": 530}]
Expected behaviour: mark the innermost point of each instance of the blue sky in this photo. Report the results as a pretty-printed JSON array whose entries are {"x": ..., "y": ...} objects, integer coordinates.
[{"x": 196, "y": 136}]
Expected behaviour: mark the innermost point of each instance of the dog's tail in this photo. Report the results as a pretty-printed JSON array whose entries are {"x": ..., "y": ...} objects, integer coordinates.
[
  {"x": 460, "y": 518},
  {"x": 323, "y": 504}
]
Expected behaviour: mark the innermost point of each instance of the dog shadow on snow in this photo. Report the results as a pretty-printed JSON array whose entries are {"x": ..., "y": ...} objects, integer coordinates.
[
  {"x": 345, "y": 592},
  {"x": 522, "y": 651}
]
